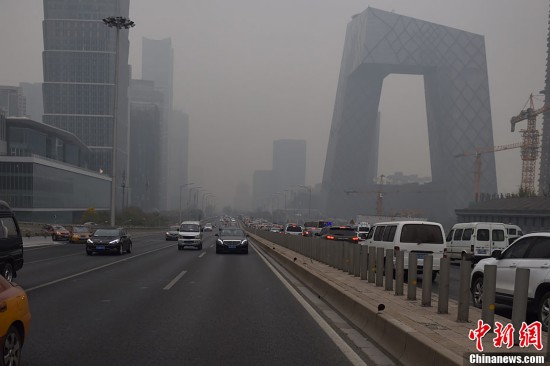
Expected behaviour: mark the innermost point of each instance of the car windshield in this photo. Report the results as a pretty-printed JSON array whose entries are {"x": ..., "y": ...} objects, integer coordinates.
[
  {"x": 232, "y": 232},
  {"x": 189, "y": 228},
  {"x": 106, "y": 232},
  {"x": 173, "y": 228},
  {"x": 80, "y": 229},
  {"x": 59, "y": 228}
]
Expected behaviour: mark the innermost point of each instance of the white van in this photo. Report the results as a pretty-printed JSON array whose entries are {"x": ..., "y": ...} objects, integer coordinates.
[
  {"x": 514, "y": 232},
  {"x": 420, "y": 237},
  {"x": 476, "y": 239},
  {"x": 190, "y": 235}
]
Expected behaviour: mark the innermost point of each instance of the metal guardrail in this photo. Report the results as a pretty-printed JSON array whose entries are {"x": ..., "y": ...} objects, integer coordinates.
[{"x": 368, "y": 263}]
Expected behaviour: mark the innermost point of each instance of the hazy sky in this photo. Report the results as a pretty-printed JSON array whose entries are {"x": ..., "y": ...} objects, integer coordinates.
[{"x": 251, "y": 71}]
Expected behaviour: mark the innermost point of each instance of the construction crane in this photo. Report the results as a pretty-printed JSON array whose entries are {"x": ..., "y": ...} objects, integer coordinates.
[
  {"x": 379, "y": 196},
  {"x": 477, "y": 162},
  {"x": 530, "y": 146}
]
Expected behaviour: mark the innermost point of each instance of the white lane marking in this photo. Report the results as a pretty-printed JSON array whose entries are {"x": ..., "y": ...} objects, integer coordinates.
[
  {"x": 202, "y": 254},
  {"x": 174, "y": 281},
  {"x": 92, "y": 269},
  {"x": 351, "y": 355}
]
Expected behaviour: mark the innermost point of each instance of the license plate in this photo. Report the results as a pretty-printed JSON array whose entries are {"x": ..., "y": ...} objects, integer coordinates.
[
  {"x": 100, "y": 247},
  {"x": 420, "y": 255},
  {"x": 232, "y": 246},
  {"x": 482, "y": 251}
]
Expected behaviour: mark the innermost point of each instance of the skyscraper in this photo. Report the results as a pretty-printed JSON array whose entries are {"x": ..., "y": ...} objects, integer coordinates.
[
  {"x": 289, "y": 164},
  {"x": 79, "y": 62},
  {"x": 158, "y": 66},
  {"x": 458, "y": 109}
]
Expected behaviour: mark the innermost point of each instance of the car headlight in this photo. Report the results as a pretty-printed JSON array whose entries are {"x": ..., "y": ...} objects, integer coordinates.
[
  {"x": 114, "y": 241},
  {"x": 219, "y": 241},
  {"x": 167, "y": 233},
  {"x": 90, "y": 241},
  {"x": 244, "y": 242}
]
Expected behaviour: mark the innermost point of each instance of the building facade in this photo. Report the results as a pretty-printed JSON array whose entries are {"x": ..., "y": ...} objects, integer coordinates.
[
  {"x": 12, "y": 101},
  {"x": 44, "y": 175},
  {"x": 80, "y": 77},
  {"x": 454, "y": 67},
  {"x": 146, "y": 103}
]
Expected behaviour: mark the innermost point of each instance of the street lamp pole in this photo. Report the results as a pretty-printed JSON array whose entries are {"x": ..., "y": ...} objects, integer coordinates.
[
  {"x": 118, "y": 23},
  {"x": 181, "y": 187},
  {"x": 309, "y": 202}
]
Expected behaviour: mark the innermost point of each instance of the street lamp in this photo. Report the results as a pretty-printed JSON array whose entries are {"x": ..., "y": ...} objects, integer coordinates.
[
  {"x": 118, "y": 23},
  {"x": 181, "y": 187},
  {"x": 309, "y": 203},
  {"x": 189, "y": 195}
]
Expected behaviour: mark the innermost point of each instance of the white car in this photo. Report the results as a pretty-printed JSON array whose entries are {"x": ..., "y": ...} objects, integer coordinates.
[
  {"x": 207, "y": 227},
  {"x": 531, "y": 251}
]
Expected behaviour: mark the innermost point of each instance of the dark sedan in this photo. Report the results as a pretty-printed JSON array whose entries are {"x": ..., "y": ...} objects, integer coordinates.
[
  {"x": 232, "y": 240},
  {"x": 172, "y": 233},
  {"x": 113, "y": 240}
]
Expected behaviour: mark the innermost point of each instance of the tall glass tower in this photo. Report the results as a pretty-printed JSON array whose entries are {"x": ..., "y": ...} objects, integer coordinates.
[{"x": 79, "y": 76}]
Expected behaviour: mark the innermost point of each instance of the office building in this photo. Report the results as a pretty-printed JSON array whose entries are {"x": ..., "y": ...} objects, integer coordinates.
[{"x": 79, "y": 61}]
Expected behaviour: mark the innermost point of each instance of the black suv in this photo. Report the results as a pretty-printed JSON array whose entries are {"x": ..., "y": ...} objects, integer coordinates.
[
  {"x": 339, "y": 233},
  {"x": 109, "y": 240},
  {"x": 11, "y": 243}
]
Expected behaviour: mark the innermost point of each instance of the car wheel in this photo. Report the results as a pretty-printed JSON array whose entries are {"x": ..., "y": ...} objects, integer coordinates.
[
  {"x": 7, "y": 272},
  {"x": 477, "y": 291},
  {"x": 89, "y": 252},
  {"x": 543, "y": 311},
  {"x": 200, "y": 246},
  {"x": 11, "y": 349},
  {"x": 129, "y": 250}
]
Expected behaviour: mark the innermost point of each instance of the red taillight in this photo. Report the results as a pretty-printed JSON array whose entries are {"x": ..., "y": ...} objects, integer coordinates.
[
  {"x": 355, "y": 238},
  {"x": 330, "y": 237}
]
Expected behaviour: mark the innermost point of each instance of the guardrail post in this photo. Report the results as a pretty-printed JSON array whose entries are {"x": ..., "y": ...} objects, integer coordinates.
[
  {"x": 399, "y": 272},
  {"x": 519, "y": 304},
  {"x": 349, "y": 255},
  {"x": 364, "y": 261},
  {"x": 444, "y": 276},
  {"x": 389, "y": 270},
  {"x": 341, "y": 255},
  {"x": 357, "y": 260},
  {"x": 488, "y": 297},
  {"x": 412, "y": 276},
  {"x": 464, "y": 291},
  {"x": 427, "y": 270},
  {"x": 371, "y": 274},
  {"x": 379, "y": 267}
]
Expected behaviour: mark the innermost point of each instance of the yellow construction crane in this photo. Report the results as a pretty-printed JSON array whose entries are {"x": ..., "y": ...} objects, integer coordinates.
[
  {"x": 477, "y": 162},
  {"x": 530, "y": 145}
]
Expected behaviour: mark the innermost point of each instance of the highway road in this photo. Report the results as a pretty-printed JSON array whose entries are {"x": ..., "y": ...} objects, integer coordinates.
[{"x": 161, "y": 306}]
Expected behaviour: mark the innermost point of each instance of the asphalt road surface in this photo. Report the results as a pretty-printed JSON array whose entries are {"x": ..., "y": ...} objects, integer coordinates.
[{"x": 161, "y": 306}]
